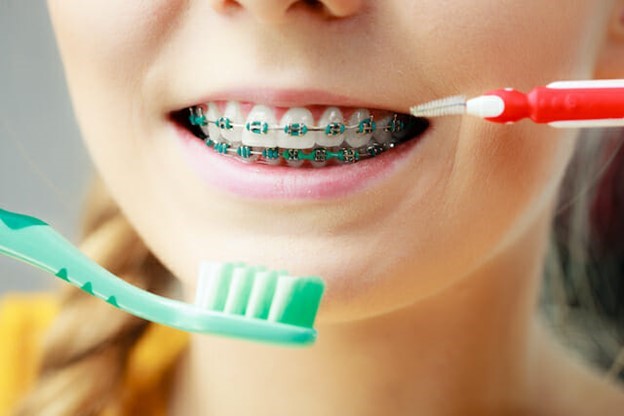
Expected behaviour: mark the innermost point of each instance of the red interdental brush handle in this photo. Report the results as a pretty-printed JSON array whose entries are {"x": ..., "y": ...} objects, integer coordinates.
[{"x": 578, "y": 102}]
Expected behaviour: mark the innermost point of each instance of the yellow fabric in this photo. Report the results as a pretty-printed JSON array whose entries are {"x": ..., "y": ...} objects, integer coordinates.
[{"x": 23, "y": 321}]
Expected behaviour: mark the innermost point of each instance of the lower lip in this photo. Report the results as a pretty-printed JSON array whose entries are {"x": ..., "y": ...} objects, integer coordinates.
[{"x": 259, "y": 181}]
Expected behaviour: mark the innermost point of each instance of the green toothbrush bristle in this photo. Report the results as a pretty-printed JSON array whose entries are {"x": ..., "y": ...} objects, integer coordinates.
[
  {"x": 297, "y": 300},
  {"x": 255, "y": 292}
]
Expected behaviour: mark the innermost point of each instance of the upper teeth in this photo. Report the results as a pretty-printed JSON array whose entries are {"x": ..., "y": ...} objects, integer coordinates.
[
  {"x": 295, "y": 130},
  {"x": 295, "y": 134}
]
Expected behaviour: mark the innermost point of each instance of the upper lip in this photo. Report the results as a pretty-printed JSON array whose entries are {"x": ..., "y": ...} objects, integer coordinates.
[{"x": 293, "y": 98}]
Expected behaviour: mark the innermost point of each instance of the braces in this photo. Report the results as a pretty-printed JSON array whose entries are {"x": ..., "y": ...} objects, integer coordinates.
[
  {"x": 317, "y": 154},
  {"x": 366, "y": 126}
]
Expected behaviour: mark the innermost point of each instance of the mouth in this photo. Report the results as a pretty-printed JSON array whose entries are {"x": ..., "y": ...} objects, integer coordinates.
[{"x": 299, "y": 137}]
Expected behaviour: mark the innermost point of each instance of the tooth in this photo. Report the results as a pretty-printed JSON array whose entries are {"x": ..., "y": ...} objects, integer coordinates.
[
  {"x": 403, "y": 127},
  {"x": 295, "y": 163},
  {"x": 246, "y": 154},
  {"x": 234, "y": 114},
  {"x": 259, "y": 121},
  {"x": 359, "y": 135},
  {"x": 199, "y": 113},
  {"x": 331, "y": 115},
  {"x": 292, "y": 157},
  {"x": 213, "y": 114},
  {"x": 298, "y": 120},
  {"x": 381, "y": 134},
  {"x": 271, "y": 156},
  {"x": 319, "y": 157}
]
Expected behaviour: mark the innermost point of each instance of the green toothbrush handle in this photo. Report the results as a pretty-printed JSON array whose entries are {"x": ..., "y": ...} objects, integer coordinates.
[{"x": 32, "y": 241}]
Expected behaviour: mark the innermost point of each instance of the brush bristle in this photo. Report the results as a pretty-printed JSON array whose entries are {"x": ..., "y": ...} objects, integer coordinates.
[
  {"x": 255, "y": 292},
  {"x": 443, "y": 107}
]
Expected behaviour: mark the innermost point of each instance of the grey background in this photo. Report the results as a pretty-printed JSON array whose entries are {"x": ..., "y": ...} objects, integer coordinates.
[{"x": 44, "y": 169}]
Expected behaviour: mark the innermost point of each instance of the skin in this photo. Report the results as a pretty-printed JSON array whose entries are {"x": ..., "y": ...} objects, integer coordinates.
[{"x": 433, "y": 274}]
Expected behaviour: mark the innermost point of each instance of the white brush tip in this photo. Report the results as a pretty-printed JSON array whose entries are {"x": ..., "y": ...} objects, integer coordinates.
[
  {"x": 455, "y": 105},
  {"x": 485, "y": 106}
]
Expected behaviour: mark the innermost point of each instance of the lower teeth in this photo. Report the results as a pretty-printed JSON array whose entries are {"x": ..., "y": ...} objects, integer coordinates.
[{"x": 318, "y": 156}]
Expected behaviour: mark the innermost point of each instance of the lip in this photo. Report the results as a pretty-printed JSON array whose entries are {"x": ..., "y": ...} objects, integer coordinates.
[
  {"x": 290, "y": 98},
  {"x": 254, "y": 181}
]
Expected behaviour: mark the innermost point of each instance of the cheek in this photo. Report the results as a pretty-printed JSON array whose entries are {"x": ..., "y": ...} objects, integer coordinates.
[
  {"x": 486, "y": 44},
  {"x": 497, "y": 197},
  {"x": 108, "y": 47},
  {"x": 507, "y": 175},
  {"x": 114, "y": 30}
]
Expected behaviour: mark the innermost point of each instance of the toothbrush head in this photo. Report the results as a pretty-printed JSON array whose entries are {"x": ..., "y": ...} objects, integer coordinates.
[
  {"x": 443, "y": 107},
  {"x": 259, "y": 301}
]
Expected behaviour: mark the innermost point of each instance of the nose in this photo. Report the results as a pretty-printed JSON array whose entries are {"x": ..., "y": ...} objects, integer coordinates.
[{"x": 276, "y": 11}]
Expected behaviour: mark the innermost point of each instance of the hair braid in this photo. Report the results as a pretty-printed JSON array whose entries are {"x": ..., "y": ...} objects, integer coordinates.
[
  {"x": 583, "y": 293},
  {"x": 86, "y": 350}
]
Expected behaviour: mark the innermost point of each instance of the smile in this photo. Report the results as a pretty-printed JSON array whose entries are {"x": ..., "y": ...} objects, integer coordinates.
[{"x": 314, "y": 136}]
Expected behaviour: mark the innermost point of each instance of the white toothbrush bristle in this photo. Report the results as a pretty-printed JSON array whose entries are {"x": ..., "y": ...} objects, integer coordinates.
[
  {"x": 262, "y": 294},
  {"x": 239, "y": 290},
  {"x": 207, "y": 290},
  {"x": 283, "y": 293},
  {"x": 443, "y": 107}
]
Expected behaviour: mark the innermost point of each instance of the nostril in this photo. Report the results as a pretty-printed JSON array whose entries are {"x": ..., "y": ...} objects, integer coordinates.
[
  {"x": 331, "y": 8},
  {"x": 343, "y": 8},
  {"x": 277, "y": 11},
  {"x": 223, "y": 6},
  {"x": 314, "y": 4}
]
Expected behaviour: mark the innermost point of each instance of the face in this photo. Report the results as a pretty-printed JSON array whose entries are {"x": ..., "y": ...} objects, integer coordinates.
[{"x": 384, "y": 231}]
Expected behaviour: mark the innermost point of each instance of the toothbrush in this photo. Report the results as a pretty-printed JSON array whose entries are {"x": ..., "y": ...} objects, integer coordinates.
[
  {"x": 573, "y": 104},
  {"x": 232, "y": 299}
]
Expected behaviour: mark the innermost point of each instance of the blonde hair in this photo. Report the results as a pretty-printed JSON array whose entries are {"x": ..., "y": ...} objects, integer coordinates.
[
  {"x": 579, "y": 296},
  {"x": 88, "y": 337}
]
